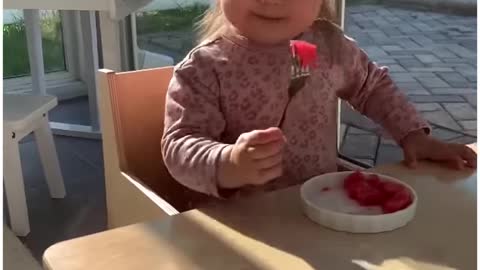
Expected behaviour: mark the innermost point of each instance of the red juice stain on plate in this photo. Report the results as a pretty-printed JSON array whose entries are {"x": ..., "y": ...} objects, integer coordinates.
[{"x": 325, "y": 189}]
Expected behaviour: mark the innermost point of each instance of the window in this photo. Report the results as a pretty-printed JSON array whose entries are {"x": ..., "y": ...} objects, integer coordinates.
[{"x": 15, "y": 50}]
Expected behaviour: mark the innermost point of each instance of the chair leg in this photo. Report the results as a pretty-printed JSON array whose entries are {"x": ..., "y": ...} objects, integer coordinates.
[
  {"x": 49, "y": 159},
  {"x": 14, "y": 187}
]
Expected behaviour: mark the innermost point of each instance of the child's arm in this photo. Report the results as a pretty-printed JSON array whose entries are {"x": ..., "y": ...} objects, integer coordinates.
[
  {"x": 371, "y": 91},
  {"x": 193, "y": 125}
]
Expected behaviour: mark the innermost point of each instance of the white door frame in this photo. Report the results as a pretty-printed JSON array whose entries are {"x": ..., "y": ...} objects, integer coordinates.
[
  {"x": 82, "y": 48},
  {"x": 35, "y": 51},
  {"x": 114, "y": 56}
]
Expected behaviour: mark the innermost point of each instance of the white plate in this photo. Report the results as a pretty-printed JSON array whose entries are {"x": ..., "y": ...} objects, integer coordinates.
[{"x": 335, "y": 210}]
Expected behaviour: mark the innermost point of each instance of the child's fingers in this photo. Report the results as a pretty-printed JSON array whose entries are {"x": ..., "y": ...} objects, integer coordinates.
[
  {"x": 469, "y": 156},
  {"x": 259, "y": 137},
  {"x": 471, "y": 163},
  {"x": 460, "y": 163},
  {"x": 265, "y": 150},
  {"x": 266, "y": 175},
  {"x": 269, "y": 162},
  {"x": 457, "y": 163},
  {"x": 410, "y": 157}
]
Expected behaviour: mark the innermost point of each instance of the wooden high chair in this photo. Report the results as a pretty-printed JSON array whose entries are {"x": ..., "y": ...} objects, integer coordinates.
[{"x": 138, "y": 185}]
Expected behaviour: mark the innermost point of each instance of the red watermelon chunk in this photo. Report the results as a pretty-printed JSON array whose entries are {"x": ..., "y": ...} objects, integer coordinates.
[
  {"x": 353, "y": 179},
  {"x": 305, "y": 52},
  {"x": 397, "y": 202},
  {"x": 372, "y": 191},
  {"x": 369, "y": 196},
  {"x": 374, "y": 180},
  {"x": 392, "y": 187}
]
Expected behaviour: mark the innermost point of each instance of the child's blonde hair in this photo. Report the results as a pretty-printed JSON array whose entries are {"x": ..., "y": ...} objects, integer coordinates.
[{"x": 213, "y": 24}]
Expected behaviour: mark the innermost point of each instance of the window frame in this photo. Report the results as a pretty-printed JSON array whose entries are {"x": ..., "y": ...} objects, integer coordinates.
[{"x": 64, "y": 84}]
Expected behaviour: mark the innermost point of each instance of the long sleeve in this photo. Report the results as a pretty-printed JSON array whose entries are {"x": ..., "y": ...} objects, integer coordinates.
[
  {"x": 193, "y": 125},
  {"x": 371, "y": 91}
]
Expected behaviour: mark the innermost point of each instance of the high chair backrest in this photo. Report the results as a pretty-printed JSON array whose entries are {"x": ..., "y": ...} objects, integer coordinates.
[{"x": 132, "y": 130}]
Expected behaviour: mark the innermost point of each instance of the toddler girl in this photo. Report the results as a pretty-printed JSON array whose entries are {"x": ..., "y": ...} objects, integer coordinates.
[{"x": 234, "y": 121}]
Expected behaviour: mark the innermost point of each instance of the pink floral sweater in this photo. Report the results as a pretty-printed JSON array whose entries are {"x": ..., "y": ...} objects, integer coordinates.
[{"x": 230, "y": 86}]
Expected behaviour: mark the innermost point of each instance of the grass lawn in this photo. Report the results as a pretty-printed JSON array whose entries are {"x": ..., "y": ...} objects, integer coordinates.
[{"x": 15, "y": 52}]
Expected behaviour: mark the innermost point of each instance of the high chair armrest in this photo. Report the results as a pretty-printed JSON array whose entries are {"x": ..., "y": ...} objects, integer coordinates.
[{"x": 131, "y": 201}]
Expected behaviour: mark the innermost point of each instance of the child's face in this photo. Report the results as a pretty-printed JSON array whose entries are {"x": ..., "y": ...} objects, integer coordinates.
[{"x": 270, "y": 21}]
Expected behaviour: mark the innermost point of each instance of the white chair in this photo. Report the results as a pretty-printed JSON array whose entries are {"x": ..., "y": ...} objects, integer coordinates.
[{"x": 22, "y": 115}]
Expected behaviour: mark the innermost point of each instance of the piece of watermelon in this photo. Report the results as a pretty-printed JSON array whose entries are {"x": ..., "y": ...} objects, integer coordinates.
[
  {"x": 397, "y": 202},
  {"x": 372, "y": 191},
  {"x": 392, "y": 187},
  {"x": 370, "y": 196},
  {"x": 353, "y": 179}
]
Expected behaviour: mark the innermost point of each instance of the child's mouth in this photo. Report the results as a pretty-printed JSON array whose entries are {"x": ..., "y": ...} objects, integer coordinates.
[{"x": 268, "y": 18}]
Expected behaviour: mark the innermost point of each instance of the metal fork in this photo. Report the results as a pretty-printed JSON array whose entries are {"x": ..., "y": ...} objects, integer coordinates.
[{"x": 299, "y": 75}]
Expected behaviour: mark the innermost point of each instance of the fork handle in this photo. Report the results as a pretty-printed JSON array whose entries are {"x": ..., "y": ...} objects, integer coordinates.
[
  {"x": 293, "y": 89},
  {"x": 280, "y": 124}
]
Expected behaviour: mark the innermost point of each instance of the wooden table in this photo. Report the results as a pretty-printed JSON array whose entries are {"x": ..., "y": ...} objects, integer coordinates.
[{"x": 270, "y": 232}]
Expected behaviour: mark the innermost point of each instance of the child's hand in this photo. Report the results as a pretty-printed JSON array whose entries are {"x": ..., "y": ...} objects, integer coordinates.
[
  {"x": 255, "y": 159},
  {"x": 417, "y": 146}
]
